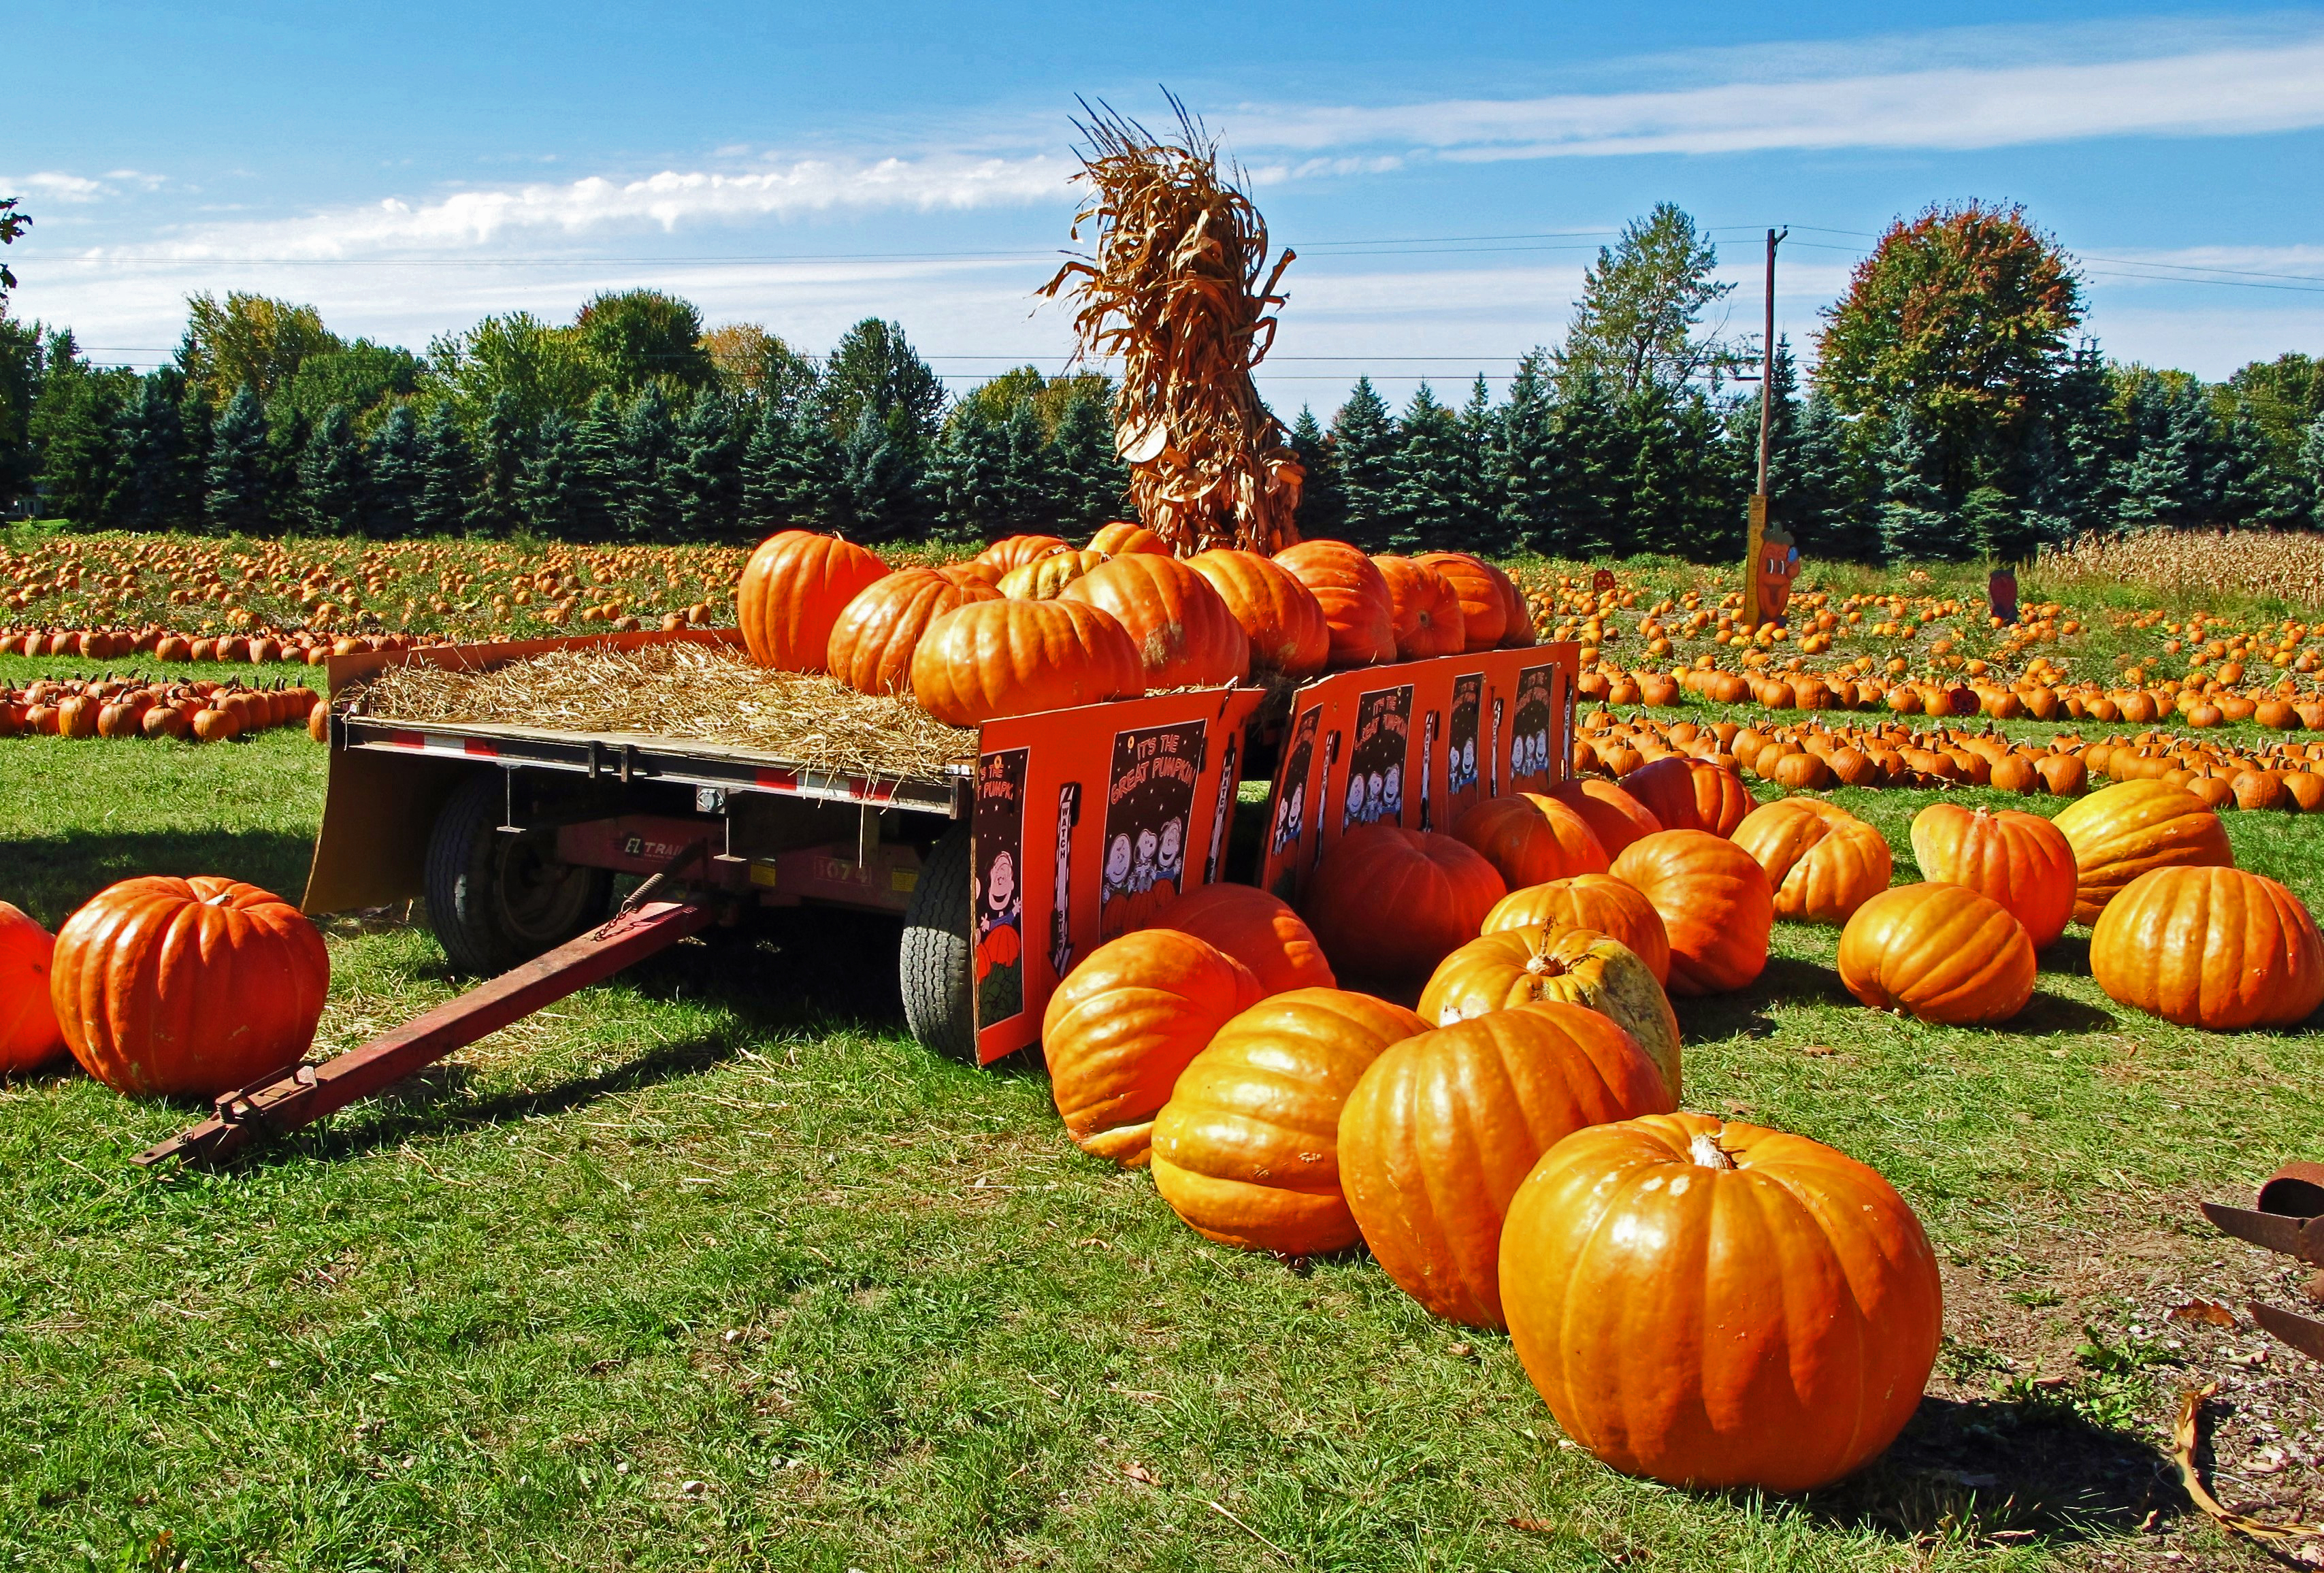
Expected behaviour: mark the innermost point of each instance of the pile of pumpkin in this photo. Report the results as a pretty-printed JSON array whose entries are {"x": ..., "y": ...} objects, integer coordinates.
[
  {"x": 1032, "y": 623},
  {"x": 119, "y": 707},
  {"x": 2286, "y": 775},
  {"x": 1704, "y": 1302}
]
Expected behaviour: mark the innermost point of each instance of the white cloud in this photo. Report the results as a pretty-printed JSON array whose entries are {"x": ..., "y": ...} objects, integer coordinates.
[{"x": 53, "y": 184}]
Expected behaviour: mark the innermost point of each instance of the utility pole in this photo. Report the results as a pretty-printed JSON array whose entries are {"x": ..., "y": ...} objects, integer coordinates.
[{"x": 1759, "y": 525}]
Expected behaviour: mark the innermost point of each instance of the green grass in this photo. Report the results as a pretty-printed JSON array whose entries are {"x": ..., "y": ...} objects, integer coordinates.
[{"x": 711, "y": 1267}]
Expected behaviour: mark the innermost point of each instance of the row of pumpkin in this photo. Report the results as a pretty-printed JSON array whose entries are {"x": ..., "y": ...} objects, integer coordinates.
[
  {"x": 257, "y": 648},
  {"x": 1034, "y": 624},
  {"x": 198, "y": 712}
]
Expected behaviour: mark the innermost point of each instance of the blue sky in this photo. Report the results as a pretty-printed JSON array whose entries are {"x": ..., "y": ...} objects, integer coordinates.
[{"x": 1444, "y": 172}]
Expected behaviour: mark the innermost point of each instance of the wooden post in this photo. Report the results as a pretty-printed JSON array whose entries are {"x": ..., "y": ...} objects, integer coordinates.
[{"x": 1756, "y": 535}]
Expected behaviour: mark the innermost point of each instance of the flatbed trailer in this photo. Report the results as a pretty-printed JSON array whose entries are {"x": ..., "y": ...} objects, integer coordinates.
[{"x": 1003, "y": 869}]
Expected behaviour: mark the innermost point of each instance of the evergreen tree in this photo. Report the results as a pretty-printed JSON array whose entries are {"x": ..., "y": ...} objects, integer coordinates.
[
  {"x": 1364, "y": 441},
  {"x": 705, "y": 480},
  {"x": 1915, "y": 521},
  {"x": 1691, "y": 488},
  {"x": 1322, "y": 513},
  {"x": 790, "y": 471},
  {"x": 1524, "y": 461},
  {"x": 1592, "y": 499},
  {"x": 879, "y": 476},
  {"x": 599, "y": 468},
  {"x": 646, "y": 507},
  {"x": 969, "y": 475},
  {"x": 241, "y": 468},
  {"x": 446, "y": 497},
  {"x": 2311, "y": 468},
  {"x": 23, "y": 366},
  {"x": 152, "y": 489},
  {"x": 391, "y": 498},
  {"x": 550, "y": 485},
  {"x": 2250, "y": 488},
  {"x": 1836, "y": 518},
  {"x": 331, "y": 479},
  {"x": 2171, "y": 460},
  {"x": 1092, "y": 483},
  {"x": 74, "y": 426},
  {"x": 2070, "y": 463},
  {"x": 499, "y": 467},
  {"x": 875, "y": 367},
  {"x": 1428, "y": 503},
  {"x": 1479, "y": 497}
]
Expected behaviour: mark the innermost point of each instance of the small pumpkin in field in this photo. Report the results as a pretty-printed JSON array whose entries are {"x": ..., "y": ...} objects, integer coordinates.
[
  {"x": 1530, "y": 840},
  {"x": 1486, "y": 593},
  {"x": 1047, "y": 577},
  {"x": 1281, "y": 617},
  {"x": 187, "y": 988},
  {"x": 1715, "y": 903},
  {"x": 1717, "y": 1304},
  {"x": 1443, "y": 1128},
  {"x": 1822, "y": 861},
  {"x": 1183, "y": 633},
  {"x": 1425, "y": 606},
  {"x": 2211, "y": 948},
  {"x": 994, "y": 658},
  {"x": 793, "y": 590},
  {"x": 1122, "y": 1026},
  {"x": 1944, "y": 953},
  {"x": 1590, "y": 900},
  {"x": 1614, "y": 816},
  {"x": 1246, "y": 1150},
  {"x": 30, "y": 1037},
  {"x": 1516, "y": 966},
  {"x": 2021, "y": 860},
  {"x": 1258, "y": 930},
  {"x": 2120, "y": 832},
  {"x": 872, "y": 644},
  {"x": 1390, "y": 903},
  {"x": 1690, "y": 794},
  {"x": 1358, "y": 609}
]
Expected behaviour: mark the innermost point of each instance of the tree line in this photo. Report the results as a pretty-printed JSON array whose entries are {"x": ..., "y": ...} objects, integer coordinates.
[{"x": 1954, "y": 410}]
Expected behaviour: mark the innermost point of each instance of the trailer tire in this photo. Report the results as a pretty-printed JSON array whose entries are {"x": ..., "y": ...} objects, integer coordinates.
[
  {"x": 496, "y": 901},
  {"x": 934, "y": 968}
]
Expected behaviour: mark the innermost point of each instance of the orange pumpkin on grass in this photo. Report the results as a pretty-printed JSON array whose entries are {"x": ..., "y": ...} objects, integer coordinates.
[
  {"x": 872, "y": 644},
  {"x": 2021, "y": 860},
  {"x": 2122, "y": 831},
  {"x": 1516, "y": 966},
  {"x": 1183, "y": 633},
  {"x": 1715, "y": 903},
  {"x": 1941, "y": 952},
  {"x": 1590, "y": 900},
  {"x": 996, "y": 657},
  {"x": 2212, "y": 948},
  {"x": 1720, "y": 1305},
  {"x": 30, "y": 1037},
  {"x": 1390, "y": 903},
  {"x": 793, "y": 590},
  {"x": 1358, "y": 607},
  {"x": 1120, "y": 1029},
  {"x": 1246, "y": 1150},
  {"x": 1443, "y": 1128},
  {"x": 1530, "y": 840},
  {"x": 1822, "y": 861},
  {"x": 1258, "y": 929}
]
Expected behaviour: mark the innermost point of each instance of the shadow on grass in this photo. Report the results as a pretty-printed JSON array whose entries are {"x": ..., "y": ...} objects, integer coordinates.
[
  {"x": 2006, "y": 1469},
  {"x": 2046, "y": 1013},
  {"x": 50, "y": 876},
  {"x": 1747, "y": 1013}
]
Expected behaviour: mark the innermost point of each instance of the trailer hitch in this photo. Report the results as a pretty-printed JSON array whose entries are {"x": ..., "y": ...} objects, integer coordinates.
[{"x": 2288, "y": 1220}]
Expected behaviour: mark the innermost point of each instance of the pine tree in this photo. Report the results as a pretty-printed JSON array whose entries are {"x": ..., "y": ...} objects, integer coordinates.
[
  {"x": 1916, "y": 522},
  {"x": 968, "y": 474},
  {"x": 391, "y": 500},
  {"x": 599, "y": 468},
  {"x": 151, "y": 490},
  {"x": 331, "y": 479},
  {"x": 1837, "y": 519},
  {"x": 2071, "y": 458},
  {"x": 1478, "y": 524},
  {"x": 704, "y": 480},
  {"x": 1364, "y": 441},
  {"x": 645, "y": 505},
  {"x": 790, "y": 471},
  {"x": 1523, "y": 462},
  {"x": 74, "y": 426},
  {"x": 2311, "y": 467},
  {"x": 447, "y": 497},
  {"x": 1093, "y": 483},
  {"x": 499, "y": 467},
  {"x": 1323, "y": 503},
  {"x": 549, "y": 483},
  {"x": 286, "y": 439},
  {"x": 1592, "y": 496},
  {"x": 241, "y": 468},
  {"x": 879, "y": 476},
  {"x": 2165, "y": 475},
  {"x": 2251, "y": 489},
  {"x": 1426, "y": 505}
]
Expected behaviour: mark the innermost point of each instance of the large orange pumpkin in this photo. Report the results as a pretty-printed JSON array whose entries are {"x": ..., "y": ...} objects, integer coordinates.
[
  {"x": 1822, "y": 861},
  {"x": 1443, "y": 1129},
  {"x": 1581, "y": 966},
  {"x": 1258, "y": 929},
  {"x": 188, "y": 987},
  {"x": 1486, "y": 595},
  {"x": 2119, "y": 832},
  {"x": 1614, "y": 816},
  {"x": 1590, "y": 900},
  {"x": 1941, "y": 952},
  {"x": 30, "y": 1037},
  {"x": 1012, "y": 551},
  {"x": 2021, "y": 860},
  {"x": 2213, "y": 948},
  {"x": 1122, "y": 538},
  {"x": 1530, "y": 840},
  {"x": 1715, "y": 903},
  {"x": 1184, "y": 634},
  {"x": 872, "y": 644},
  {"x": 1122, "y": 1026},
  {"x": 1283, "y": 618},
  {"x": 1013, "y": 658},
  {"x": 1720, "y": 1305},
  {"x": 1690, "y": 794},
  {"x": 1389, "y": 904},
  {"x": 1357, "y": 607},
  {"x": 1046, "y": 576},
  {"x": 1246, "y": 1150},
  {"x": 794, "y": 587},
  {"x": 1425, "y": 606}
]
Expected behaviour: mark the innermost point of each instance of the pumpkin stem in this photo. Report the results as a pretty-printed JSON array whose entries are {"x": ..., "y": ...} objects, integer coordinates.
[{"x": 1707, "y": 1153}]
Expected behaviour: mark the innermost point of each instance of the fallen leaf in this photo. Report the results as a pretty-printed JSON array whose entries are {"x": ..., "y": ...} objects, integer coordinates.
[
  {"x": 1139, "y": 1472},
  {"x": 1736, "y": 1106},
  {"x": 2207, "y": 1313},
  {"x": 1533, "y": 1526},
  {"x": 1460, "y": 1351},
  {"x": 1818, "y": 1051}
]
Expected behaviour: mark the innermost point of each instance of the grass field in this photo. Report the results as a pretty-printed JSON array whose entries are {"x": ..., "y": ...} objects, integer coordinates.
[{"x": 713, "y": 1267}]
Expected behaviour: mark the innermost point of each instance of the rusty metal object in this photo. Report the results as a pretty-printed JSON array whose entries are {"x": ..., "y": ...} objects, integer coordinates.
[
  {"x": 2289, "y": 1221},
  {"x": 308, "y": 1093}
]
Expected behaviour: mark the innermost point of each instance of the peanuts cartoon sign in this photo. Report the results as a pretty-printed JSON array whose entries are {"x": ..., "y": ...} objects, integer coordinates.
[
  {"x": 997, "y": 885},
  {"x": 1150, "y": 800}
]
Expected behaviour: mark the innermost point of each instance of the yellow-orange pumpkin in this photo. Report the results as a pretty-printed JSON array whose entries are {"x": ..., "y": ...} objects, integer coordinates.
[
  {"x": 1581, "y": 966},
  {"x": 1590, "y": 900},
  {"x": 1258, "y": 929},
  {"x": 2120, "y": 832},
  {"x": 793, "y": 590},
  {"x": 1183, "y": 633},
  {"x": 1389, "y": 904},
  {"x": 1425, "y": 606},
  {"x": 1822, "y": 861},
  {"x": 1614, "y": 816},
  {"x": 30, "y": 1037},
  {"x": 1357, "y": 607},
  {"x": 1690, "y": 794},
  {"x": 1281, "y": 617},
  {"x": 996, "y": 657},
  {"x": 1046, "y": 576},
  {"x": 1715, "y": 903},
  {"x": 1486, "y": 594},
  {"x": 1944, "y": 953},
  {"x": 2212, "y": 948},
  {"x": 872, "y": 644},
  {"x": 2021, "y": 860},
  {"x": 1124, "y": 537},
  {"x": 1530, "y": 840}
]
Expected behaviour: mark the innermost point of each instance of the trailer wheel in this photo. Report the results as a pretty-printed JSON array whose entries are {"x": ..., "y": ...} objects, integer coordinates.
[
  {"x": 497, "y": 901},
  {"x": 934, "y": 968}
]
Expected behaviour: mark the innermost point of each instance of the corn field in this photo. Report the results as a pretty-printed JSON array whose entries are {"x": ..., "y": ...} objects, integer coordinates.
[{"x": 2285, "y": 565}]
